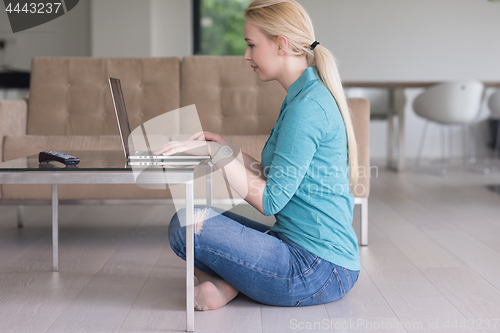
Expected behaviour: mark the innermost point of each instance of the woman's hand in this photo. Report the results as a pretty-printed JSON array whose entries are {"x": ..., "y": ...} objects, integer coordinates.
[
  {"x": 192, "y": 147},
  {"x": 208, "y": 136}
]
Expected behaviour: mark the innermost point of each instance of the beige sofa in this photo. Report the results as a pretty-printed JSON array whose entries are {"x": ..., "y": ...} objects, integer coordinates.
[{"x": 70, "y": 108}]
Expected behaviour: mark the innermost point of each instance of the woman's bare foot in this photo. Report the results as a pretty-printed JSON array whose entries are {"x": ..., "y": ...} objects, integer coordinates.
[{"x": 212, "y": 292}]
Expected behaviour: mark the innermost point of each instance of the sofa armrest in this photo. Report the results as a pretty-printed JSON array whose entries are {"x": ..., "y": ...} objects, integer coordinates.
[
  {"x": 13, "y": 119},
  {"x": 360, "y": 111},
  {"x": 14, "y": 116}
]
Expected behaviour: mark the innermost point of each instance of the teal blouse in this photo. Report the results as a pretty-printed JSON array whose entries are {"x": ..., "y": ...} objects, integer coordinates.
[{"x": 307, "y": 186}]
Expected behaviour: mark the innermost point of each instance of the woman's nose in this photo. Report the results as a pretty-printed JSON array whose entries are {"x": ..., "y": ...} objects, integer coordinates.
[{"x": 247, "y": 54}]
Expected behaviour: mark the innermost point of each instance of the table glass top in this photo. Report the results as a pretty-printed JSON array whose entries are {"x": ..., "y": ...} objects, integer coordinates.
[{"x": 108, "y": 160}]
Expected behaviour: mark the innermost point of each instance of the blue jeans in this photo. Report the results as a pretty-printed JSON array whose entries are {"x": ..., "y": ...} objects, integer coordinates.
[{"x": 264, "y": 265}]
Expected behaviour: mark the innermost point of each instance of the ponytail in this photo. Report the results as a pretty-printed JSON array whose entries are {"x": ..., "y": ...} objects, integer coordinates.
[{"x": 325, "y": 65}]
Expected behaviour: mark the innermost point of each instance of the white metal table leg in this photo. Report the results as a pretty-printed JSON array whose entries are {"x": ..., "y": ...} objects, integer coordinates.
[
  {"x": 390, "y": 129},
  {"x": 55, "y": 229},
  {"x": 396, "y": 106},
  {"x": 400, "y": 105},
  {"x": 190, "y": 255}
]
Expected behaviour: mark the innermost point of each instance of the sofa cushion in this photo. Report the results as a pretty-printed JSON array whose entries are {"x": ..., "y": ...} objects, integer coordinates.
[
  {"x": 71, "y": 96},
  {"x": 229, "y": 97}
]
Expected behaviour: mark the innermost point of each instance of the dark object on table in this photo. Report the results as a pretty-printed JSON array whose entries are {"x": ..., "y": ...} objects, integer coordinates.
[{"x": 47, "y": 156}]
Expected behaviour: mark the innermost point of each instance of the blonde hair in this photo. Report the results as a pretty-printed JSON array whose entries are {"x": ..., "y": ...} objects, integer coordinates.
[{"x": 289, "y": 19}]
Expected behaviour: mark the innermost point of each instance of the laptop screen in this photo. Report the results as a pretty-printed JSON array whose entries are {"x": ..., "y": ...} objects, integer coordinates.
[{"x": 121, "y": 113}]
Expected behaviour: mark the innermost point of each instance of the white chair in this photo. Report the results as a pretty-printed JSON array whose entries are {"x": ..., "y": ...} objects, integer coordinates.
[
  {"x": 494, "y": 105},
  {"x": 453, "y": 103}
]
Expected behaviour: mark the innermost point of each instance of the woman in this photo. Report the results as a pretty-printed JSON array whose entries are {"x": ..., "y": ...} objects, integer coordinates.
[{"x": 310, "y": 255}]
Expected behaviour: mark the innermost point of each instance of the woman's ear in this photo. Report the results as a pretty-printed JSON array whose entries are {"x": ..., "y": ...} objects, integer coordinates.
[{"x": 282, "y": 43}]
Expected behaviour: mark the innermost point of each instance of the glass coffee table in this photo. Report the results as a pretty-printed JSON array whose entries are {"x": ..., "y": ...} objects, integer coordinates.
[{"x": 111, "y": 167}]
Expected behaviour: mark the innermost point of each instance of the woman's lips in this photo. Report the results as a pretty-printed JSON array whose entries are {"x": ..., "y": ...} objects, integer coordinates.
[{"x": 254, "y": 68}]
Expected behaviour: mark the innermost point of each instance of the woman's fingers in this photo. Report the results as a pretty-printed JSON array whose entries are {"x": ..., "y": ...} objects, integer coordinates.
[
  {"x": 202, "y": 137},
  {"x": 190, "y": 147},
  {"x": 206, "y": 136},
  {"x": 213, "y": 137},
  {"x": 196, "y": 136},
  {"x": 159, "y": 150},
  {"x": 166, "y": 148}
]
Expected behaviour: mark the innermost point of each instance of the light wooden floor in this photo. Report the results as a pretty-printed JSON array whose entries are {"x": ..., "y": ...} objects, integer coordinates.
[{"x": 432, "y": 265}]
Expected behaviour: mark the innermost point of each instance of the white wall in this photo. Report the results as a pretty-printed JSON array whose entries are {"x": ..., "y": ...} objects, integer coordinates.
[
  {"x": 141, "y": 28},
  {"x": 121, "y": 28},
  {"x": 410, "y": 40},
  {"x": 172, "y": 32}
]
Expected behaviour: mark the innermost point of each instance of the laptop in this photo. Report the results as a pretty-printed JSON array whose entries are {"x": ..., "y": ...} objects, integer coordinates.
[{"x": 142, "y": 157}]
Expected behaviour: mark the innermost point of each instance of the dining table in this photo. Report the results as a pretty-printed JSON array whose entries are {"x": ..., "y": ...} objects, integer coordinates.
[{"x": 397, "y": 106}]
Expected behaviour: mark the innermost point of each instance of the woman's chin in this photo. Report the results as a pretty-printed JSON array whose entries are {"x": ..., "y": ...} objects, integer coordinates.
[{"x": 263, "y": 78}]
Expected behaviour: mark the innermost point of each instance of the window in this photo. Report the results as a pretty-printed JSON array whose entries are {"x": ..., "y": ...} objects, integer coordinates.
[{"x": 218, "y": 27}]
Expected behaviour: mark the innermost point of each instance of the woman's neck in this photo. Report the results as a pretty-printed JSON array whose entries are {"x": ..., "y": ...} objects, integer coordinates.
[{"x": 293, "y": 68}]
